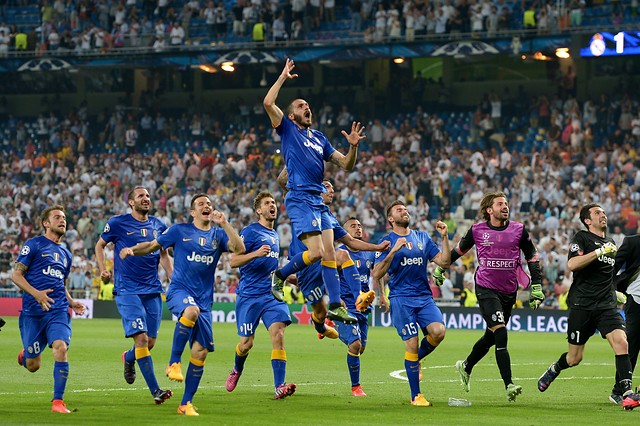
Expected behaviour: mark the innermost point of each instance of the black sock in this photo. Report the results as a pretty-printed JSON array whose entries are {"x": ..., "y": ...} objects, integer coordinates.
[
  {"x": 623, "y": 373},
  {"x": 562, "y": 363},
  {"x": 480, "y": 349},
  {"x": 279, "y": 274},
  {"x": 502, "y": 355}
]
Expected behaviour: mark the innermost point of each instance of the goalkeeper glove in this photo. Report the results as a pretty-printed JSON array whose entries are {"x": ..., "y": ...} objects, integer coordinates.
[
  {"x": 621, "y": 298},
  {"x": 438, "y": 276},
  {"x": 536, "y": 297},
  {"x": 607, "y": 248}
]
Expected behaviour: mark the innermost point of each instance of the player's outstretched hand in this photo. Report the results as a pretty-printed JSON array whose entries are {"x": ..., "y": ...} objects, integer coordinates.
[
  {"x": 356, "y": 135},
  {"x": 288, "y": 67},
  {"x": 438, "y": 275},
  {"x": 536, "y": 297}
]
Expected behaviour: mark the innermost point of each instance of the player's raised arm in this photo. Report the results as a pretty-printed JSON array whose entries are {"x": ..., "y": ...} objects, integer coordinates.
[
  {"x": 235, "y": 244},
  {"x": 443, "y": 259},
  {"x": 273, "y": 111},
  {"x": 348, "y": 161}
]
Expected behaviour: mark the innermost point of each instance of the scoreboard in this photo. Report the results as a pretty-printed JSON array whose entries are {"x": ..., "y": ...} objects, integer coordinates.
[{"x": 622, "y": 43}]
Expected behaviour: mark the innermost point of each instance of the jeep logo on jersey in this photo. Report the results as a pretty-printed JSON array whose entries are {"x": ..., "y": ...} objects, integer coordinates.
[
  {"x": 316, "y": 148},
  {"x": 194, "y": 257},
  {"x": 144, "y": 232},
  {"x": 202, "y": 241},
  {"x": 53, "y": 272},
  {"x": 408, "y": 261},
  {"x": 274, "y": 254}
]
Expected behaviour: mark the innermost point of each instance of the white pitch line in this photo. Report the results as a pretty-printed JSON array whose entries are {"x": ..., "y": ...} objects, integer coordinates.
[{"x": 400, "y": 374}]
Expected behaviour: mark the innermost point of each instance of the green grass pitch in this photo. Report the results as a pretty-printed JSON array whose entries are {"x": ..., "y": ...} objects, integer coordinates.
[{"x": 98, "y": 393}]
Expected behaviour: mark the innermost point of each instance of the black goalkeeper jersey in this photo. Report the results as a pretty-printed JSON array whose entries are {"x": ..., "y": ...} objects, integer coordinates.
[{"x": 592, "y": 287}]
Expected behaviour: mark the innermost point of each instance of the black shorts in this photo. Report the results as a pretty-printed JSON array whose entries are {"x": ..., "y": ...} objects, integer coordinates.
[
  {"x": 582, "y": 324},
  {"x": 495, "y": 306}
]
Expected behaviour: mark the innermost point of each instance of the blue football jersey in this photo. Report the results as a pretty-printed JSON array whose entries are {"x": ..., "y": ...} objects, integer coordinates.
[
  {"x": 135, "y": 274},
  {"x": 254, "y": 275},
  {"x": 408, "y": 270},
  {"x": 305, "y": 152},
  {"x": 195, "y": 257},
  {"x": 48, "y": 266}
]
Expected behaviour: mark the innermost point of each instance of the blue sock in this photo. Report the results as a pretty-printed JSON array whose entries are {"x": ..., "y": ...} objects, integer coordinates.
[
  {"x": 352, "y": 277},
  {"x": 130, "y": 355},
  {"x": 239, "y": 361},
  {"x": 413, "y": 374},
  {"x": 60, "y": 375},
  {"x": 145, "y": 364},
  {"x": 425, "y": 348},
  {"x": 279, "y": 371},
  {"x": 331, "y": 282},
  {"x": 296, "y": 264},
  {"x": 353, "y": 362},
  {"x": 319, "y": 326},
  {"x": 192, "y": 380},
  {"x": 181, "y": 336}
]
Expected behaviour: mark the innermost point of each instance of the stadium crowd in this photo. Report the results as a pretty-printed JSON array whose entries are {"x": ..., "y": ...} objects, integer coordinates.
[
  {"x": 580, "y": 151},
  {"x": 84, "y": 25}
]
